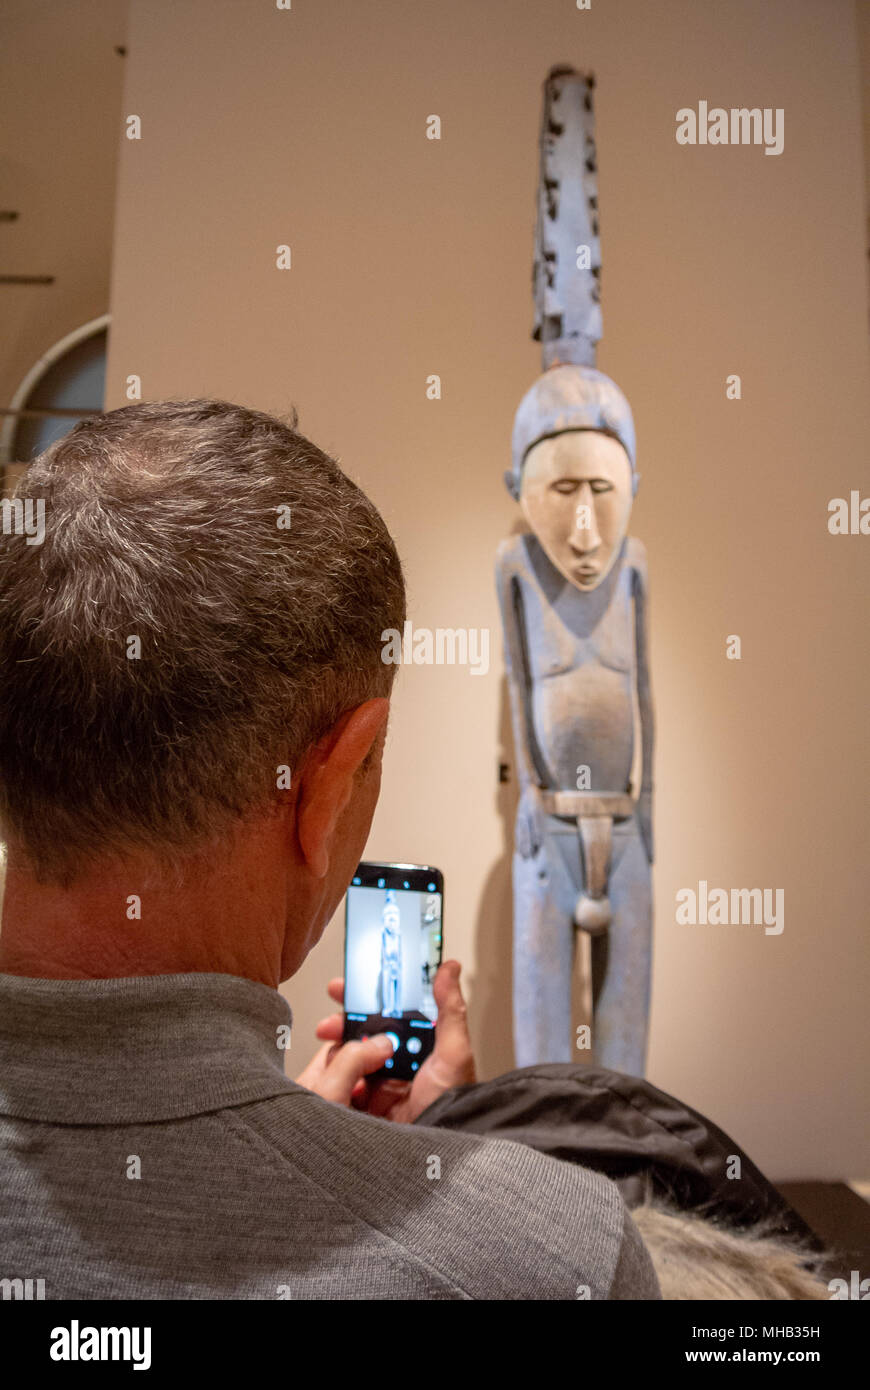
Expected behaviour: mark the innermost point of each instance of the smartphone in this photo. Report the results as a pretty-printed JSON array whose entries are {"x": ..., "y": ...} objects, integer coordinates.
[{"x": 392, "y": 950}]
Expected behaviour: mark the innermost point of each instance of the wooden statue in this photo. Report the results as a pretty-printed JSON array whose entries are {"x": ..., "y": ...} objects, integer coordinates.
[{"x": 573, "y": 598}]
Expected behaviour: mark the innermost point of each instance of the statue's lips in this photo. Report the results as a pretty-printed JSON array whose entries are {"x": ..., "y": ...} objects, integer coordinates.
[{"x": 586, "y": 571}]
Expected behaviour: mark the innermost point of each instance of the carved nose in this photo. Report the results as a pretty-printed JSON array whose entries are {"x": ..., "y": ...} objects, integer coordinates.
[{"x": 585, "y": 536}]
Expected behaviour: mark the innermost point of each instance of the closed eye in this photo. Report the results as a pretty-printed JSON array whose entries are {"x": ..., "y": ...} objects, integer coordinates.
[{"x": 566, "y": 486}]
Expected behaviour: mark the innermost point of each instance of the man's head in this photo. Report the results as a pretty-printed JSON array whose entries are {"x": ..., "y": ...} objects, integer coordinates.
[{"x": 194, "y": 652}]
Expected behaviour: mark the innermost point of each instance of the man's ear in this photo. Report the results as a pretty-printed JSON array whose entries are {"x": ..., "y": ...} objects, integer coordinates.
[{"x": 326, "y": 780}]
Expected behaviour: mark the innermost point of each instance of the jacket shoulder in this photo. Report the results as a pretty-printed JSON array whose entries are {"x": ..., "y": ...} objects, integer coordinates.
[{"x": 495, "y": 1218}]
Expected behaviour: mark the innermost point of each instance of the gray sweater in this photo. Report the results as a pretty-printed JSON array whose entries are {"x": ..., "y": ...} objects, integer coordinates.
[{"x": 152, "y": 1147}]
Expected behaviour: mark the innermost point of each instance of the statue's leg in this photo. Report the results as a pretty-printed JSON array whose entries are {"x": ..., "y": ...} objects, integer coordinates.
[
  {"x": 622, "y": 958},
  {"x": 543, "y": 956}
]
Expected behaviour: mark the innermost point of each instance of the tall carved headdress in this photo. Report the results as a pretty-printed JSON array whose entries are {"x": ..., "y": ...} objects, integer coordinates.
[
  {"x": 566, "y": 282},
  {"x": 566, "y": 273}
]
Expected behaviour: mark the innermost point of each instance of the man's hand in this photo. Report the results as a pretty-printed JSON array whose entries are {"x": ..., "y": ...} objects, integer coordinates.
[
  {"x": 336, "y": 1073},
  {"x": 449, "y": 1064}
]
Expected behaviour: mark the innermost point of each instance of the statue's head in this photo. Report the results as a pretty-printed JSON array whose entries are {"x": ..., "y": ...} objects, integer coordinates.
[{"x": 574, "y": 469}]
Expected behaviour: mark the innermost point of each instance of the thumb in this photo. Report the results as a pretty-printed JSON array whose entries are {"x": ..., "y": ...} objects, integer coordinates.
[
  {"x": 452, "y": 1028},
  {"x": 350, "y": 1064}
]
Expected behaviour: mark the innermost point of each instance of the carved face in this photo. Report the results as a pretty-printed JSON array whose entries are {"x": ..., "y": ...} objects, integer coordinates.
[{"x": 576, "y": 494}]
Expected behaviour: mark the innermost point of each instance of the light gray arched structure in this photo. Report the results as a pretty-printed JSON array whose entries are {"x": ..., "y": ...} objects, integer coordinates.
[{"x": 66, "y": 352}]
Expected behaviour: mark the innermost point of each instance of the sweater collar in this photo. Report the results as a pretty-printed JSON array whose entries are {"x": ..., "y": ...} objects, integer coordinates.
[{"x": 140, "y": 1049}]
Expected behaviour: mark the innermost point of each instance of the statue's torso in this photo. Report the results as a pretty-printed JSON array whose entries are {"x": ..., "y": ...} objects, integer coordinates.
[
  {"x": 391, "y": 952},
  {"x": 581, "y": 654}
]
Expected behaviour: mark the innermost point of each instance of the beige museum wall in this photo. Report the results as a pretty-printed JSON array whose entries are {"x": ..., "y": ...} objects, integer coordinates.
[{"x": 411, "y": 257}]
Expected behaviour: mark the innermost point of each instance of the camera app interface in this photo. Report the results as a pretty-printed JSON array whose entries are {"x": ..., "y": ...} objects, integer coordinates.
[{"x": 393, "y": 950}]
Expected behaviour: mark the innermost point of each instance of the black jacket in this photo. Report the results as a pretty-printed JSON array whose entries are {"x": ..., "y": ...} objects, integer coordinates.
[{"x": 645, "y": 1140}]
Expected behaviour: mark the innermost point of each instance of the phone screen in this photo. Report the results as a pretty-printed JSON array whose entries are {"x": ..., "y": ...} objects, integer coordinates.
[{"x": 392, "y": 950}]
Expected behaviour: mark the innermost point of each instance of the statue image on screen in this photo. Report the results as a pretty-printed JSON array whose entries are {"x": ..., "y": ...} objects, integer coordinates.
[
  {"x": 390, "y": 977},
  {"x": 573, "y": 598}
]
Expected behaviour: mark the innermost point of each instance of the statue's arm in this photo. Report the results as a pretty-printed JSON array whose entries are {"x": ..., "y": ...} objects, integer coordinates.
[
  {"x": 529, "y": 828},
  {"x": 516, "y": 663},
  {"x": 644, "y": 692}
]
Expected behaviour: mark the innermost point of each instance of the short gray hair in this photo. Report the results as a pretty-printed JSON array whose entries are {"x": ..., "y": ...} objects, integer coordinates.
[{"x": 162, "y": 523}]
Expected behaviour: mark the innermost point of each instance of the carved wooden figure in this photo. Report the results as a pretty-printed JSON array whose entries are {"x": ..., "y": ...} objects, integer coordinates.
[{"x": 573, "y": 598}]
